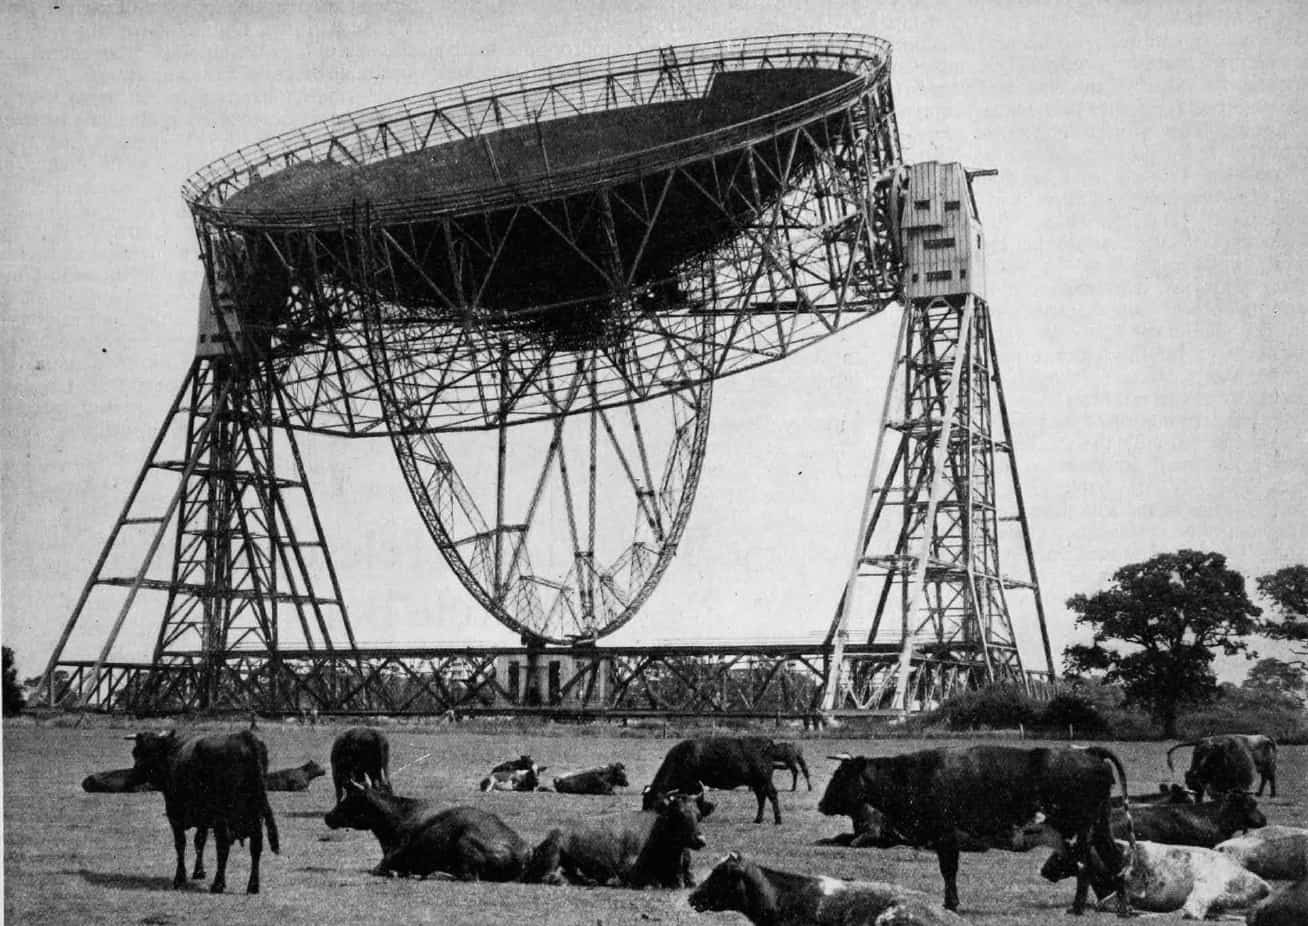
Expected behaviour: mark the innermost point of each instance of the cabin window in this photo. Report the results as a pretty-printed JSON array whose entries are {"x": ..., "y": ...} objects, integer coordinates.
[
  {"x": 962, "y": 274},
  {"x": 978, "y": 242},
  {"x": 934, "y": 276},
  {"x": 915, "y": 278},
  {"x": 935, "y": 244},
  {"x": 921, "y": 205},
  {"x": 951, "y": 205}
]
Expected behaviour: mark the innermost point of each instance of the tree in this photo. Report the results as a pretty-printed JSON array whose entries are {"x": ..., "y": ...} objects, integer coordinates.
[
  {"x": 1287, "y": 589},
  {"x": 1277, "y": 677},
  {"x": 1172, "y": 612},
  {"x": 14, "y": 702}
]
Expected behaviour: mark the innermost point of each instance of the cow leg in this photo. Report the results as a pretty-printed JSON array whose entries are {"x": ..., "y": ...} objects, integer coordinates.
[
  {"x": 179, "y": 845},
  {"x": 222, "y": 844},
  {"x": 947, "y": 857},
  {"x": 256, "y": 852},
  {"x": 687, "y": 878},
  {"x": 201, "y": 833},
  {"x": 767, "y": 792}
]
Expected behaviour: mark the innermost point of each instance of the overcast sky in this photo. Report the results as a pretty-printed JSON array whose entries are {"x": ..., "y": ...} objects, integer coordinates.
[{"x": 1147, "y": 236}]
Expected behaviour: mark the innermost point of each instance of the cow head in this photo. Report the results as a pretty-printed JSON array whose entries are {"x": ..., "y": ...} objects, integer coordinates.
[
  {"x": 312, "y": 770},
  {"x": 361, "y": 808},
  {"x": 727, "y": 886},
  {"x": 1240, "y": 812},
  {"x": 618, "y": 775},
  {"x": 678, "y": 822},
  {"x": 653, "y": 800},
  {"x": 846, "y": 792},
  {"x": 150, "y": 756}
]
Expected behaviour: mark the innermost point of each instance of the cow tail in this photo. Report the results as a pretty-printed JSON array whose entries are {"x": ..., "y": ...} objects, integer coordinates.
[
  {"x": 270, "y": 823},
  {"x": 1176, "y": 747},
  {"x": 1108, "y": 756}
]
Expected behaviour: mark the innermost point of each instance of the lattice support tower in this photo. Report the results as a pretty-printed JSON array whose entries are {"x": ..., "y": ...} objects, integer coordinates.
[
  {"x": 220, "y": 525},
  {"x": 927, "y": 592}
]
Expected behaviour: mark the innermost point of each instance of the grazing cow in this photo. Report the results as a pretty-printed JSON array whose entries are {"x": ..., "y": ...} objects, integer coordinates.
[
  {"x": 294, "y": 779},
  {"x": 1277, "y": 853},
  {"x": 928, "y": 796},
  {"x": 115, "y": 781},
  {"x": 1287, "y": 907},
  {"x": 637, "y": 849},
  {"x": 593, "y": 781},
  {"x": 363, "y": 755},
  {"x": 1228, "y": 763},
  {"x": 1164, "y": 878},
  {"x": 717, "y": 762},
  {"x": 777, "y": 898},
  {"x": 517, "y": 780},
  {"x": 417, "y": 839},
  {"x": 788, "y": 755},
  {"x": 210, "y": 782},
  {"x": 1191, "y": 824}
]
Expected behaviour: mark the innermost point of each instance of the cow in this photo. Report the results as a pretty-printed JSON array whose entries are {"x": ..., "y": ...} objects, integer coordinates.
[
  {"x": 115, "y": 781},
  {"x": 210, "y": 782},
  {"x": 361, "y": 754},
  {"x": 1163, "y": 878},
  {"x": 872, "y": 831},
  {"x": 294, "y": 779},
  {"x": 418, "y": 839},
  {"x": 767, "y": 896},
  {"x": 516, "y": 780},
  {"x": 1166, "y": 794},
  {"x": 717, "y": 762},
  {"x": 1287, "y": 907},
  {"x": 928, "y": 796},
  {"x": 789, "y": 756},
  {"x": 1228, "y": 763},
  {"x": 1202, "y": 825},
  {"x": 637, "y": 849},
  {"x": 593, "y": 781},
  {"x": 522, "y": 763},
  {"x": 1277, "y": 853}
]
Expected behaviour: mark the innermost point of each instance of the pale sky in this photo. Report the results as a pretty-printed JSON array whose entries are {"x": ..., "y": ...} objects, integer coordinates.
[{"x": 1146, "y": 234}]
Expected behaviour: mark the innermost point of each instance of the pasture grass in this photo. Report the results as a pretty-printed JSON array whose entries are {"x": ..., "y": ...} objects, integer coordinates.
[{"x": 72, "y": 857}]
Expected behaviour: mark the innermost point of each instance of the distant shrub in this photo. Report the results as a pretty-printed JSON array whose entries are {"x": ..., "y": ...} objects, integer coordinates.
[
  {"x": 1002, "y": 707},
  {"x": 1241, "y": 710},
  {"x": 1075, "y": 710}
]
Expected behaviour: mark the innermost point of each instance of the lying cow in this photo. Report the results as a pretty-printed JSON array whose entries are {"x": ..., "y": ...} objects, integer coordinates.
[
  {"x": 115, "y": 781},
  {"x": 638, "y": 849},
  {"x": 294, "y": 779},
  {"x": 593, "y": 781},
  {"x": 210, "y": 782},
  {"x": 1229, "y": 762},
  {"x": 789, "y": 756},
  {"x": 1166, "y": 794},
  {"x": 1162, "y": 878},
  {"x": 516, "y": 780},
  {"x": 1287, "y": 907},
  {"x": 362, "y": 755},
  {"x": 417, "y": 839},
  {"x": 717, "y": 762},
  {"x": 928, "y": 796},
  {"x": 1191, "y": 824},
  {"x": 522, "y": 763},
  {"x": 1277, "y": 853},
  {"x": 766, "y": 897}
]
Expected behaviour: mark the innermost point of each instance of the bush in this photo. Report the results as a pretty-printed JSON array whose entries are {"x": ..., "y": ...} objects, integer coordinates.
[
  {"x": 14, "y": 702},
  {"x": 996, "y": 707},
  {"x": 1076, "y": 710},
  {"x": 1240, "y": 710}
]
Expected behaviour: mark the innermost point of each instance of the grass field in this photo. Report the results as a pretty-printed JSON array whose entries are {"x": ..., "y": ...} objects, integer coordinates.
[{"x": 72, "y": 857}]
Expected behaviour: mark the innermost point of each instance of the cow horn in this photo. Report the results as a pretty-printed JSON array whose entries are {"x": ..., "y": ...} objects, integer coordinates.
[
  {"x": 351, "y": 783},
  {"x": 132, "y": 737},
  {"x": 841, "y": 757}
]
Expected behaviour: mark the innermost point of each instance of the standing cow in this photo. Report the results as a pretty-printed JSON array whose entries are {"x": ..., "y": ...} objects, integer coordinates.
[
  {"x": 210, "y": 782},
  {"x": 717, "y": 762},
  {"x": 1229, "y": 762},
  {"x": 363, "y": 755},
  {"x": 928, "y": 796}
]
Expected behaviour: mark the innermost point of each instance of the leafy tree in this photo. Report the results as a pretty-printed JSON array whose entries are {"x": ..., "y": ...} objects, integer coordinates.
[
  {"x": 1172, "y": 612},
  {"x": 1287, "y": 589},
  {"x": 14, "y": 702},
  {"x": 1273, "y": 675}
]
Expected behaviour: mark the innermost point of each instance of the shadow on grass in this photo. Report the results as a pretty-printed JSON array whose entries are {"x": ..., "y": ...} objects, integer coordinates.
[
  {"x": 302, "y": 814},
  {"x": 125, "y": 882}
]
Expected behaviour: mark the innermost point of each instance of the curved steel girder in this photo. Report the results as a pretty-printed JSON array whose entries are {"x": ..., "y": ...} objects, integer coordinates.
[{"x": 603, "y": 580}]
